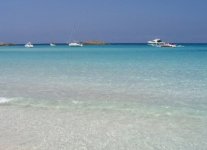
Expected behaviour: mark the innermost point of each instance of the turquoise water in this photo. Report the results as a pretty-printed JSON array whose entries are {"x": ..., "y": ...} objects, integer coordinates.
[
  {"x": 123, "y": 96},
  {"x": 106, "y": 76}
]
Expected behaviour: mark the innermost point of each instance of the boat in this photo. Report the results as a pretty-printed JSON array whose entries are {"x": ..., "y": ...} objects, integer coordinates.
[
  {"x": 29, "y": 45},
  {"x": 168, "y": 45},
  {"x": 155, "y": 42},
  {"x": 160, "y": 43},
  {"x": 75, "y": 44},
  {"x": 52, "y": 44}
]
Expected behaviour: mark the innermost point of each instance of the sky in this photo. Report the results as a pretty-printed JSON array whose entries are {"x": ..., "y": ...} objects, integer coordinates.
[{"x": 130, "y": 21}]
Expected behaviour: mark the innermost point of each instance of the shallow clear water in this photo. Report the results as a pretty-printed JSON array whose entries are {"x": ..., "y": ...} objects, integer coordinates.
[
  {"x": 158, "y": 83},
  {"x": 114, "y": 74}
]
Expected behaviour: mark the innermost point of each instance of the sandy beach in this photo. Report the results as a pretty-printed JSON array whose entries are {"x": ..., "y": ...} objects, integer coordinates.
[{"x": 51, "y": 129}]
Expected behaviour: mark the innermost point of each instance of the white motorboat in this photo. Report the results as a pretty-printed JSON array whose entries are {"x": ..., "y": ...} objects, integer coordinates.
[
  {"x": 75, "y": 44},
  {"x": 168, "y": 45},
  {"x": 155, "y": 42},
  {"x": 160, "y": 43},
  {"x": 29, "y": 45}
]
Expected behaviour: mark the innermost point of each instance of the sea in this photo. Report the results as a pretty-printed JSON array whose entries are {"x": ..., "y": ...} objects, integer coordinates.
[{"x": 115, "y": 96}]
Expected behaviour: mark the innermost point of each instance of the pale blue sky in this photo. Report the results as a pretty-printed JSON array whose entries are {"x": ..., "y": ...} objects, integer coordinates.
[{"x": 107, "y": 20}]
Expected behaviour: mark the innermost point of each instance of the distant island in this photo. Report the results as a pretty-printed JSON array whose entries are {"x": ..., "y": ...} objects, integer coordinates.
[
  {"x": 6, "y": 44},
  {"x": 94, "y": 42}
]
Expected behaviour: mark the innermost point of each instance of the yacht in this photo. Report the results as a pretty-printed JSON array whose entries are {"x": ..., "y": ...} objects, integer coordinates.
[
  {"x": 52, "y": 44},
  {"x": 168, "y": 45},
  {"x": 29, "y": 45},
  {"x": 160, "y": 43},
  {"x": 155, "y": 42},
  {"x": 75, "y": 44}
]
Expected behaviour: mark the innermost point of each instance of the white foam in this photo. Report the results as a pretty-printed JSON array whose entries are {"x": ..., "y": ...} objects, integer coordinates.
[{"x": 4, "y": 100}]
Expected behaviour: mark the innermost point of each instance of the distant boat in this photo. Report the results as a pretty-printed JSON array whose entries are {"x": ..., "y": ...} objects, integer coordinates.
[
  {"x": 160, "y": 43},
  {"x": 155, "y": 42},
  {"x": 168, "y": 45},
  {"x": 52, "y": 44},
  {"x": 29, "y": 45},
  {"x": 75, "y": 44}
]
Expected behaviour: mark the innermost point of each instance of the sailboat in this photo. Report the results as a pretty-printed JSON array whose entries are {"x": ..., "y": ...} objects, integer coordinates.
[
  {"x": 75, "y": 43},
  {"x": 29, "y": 45}
]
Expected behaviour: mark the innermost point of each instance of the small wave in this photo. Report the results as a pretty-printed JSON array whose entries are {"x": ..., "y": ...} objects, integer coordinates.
[{"x": 4, "y": 100}]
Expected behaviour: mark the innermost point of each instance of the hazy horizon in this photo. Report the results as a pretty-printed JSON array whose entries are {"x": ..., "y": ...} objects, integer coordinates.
[
  {"x": 66, "y": 43},
  {"x": 110, "y": 21}
]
